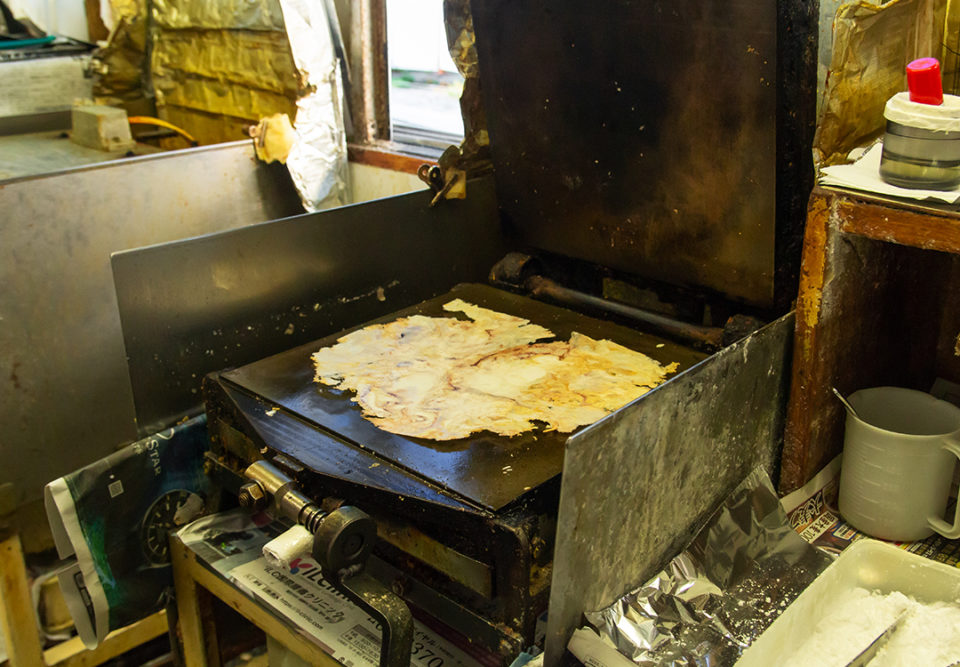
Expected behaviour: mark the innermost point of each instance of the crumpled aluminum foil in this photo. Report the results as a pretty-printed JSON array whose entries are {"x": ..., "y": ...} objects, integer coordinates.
[
  {"x": 318, "y": 159},
  {"x": 206, "y": 15},
  {"x": 712, "y": 600}
]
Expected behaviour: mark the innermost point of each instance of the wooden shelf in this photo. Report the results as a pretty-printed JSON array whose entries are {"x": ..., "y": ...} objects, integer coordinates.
[
  {"x": 386, "y": 156},
  {"x": 874, "y": 308},
  {"x": 916, "y": 225}
]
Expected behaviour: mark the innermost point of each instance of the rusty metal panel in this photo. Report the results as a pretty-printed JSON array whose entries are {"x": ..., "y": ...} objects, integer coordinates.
[
  {"x": 65, "y": 395},
  {"x": 637, "y": 484},
  {"x": 640, "y": 136}
]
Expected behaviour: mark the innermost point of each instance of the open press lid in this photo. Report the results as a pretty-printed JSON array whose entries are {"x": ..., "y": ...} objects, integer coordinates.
[{"x": 636, "y": 135}]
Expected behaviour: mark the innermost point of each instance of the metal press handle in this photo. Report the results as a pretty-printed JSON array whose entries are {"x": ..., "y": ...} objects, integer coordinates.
[{"x": 342, "y": 542}]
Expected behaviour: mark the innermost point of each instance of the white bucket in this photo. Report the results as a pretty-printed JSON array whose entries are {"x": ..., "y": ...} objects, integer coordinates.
[{"x": 898, "y": 462}]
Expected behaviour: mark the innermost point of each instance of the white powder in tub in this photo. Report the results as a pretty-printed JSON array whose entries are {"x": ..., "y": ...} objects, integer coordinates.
[
  {"x": 854, "y": 619},
  {"x": 929, "y": 634}
]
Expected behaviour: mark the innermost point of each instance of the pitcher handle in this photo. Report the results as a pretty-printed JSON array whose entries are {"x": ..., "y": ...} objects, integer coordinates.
[{"x": 951, "y": 531}]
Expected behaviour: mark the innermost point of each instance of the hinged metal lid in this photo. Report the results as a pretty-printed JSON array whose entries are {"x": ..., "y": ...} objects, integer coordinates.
[{"x": 638, "y": 135}]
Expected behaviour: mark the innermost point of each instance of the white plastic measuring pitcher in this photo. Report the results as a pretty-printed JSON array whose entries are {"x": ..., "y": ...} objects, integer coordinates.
[{"x": 899, "y": 455}]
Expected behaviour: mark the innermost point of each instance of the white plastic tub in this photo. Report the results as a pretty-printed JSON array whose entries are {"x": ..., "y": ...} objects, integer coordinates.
[{"x": 865, "y": 564}]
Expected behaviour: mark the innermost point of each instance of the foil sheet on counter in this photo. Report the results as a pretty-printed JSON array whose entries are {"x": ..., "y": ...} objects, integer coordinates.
[{"x": 740, "y": 572}]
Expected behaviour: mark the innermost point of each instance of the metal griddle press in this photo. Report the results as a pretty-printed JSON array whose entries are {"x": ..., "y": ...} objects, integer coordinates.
[
  {"x": 642, "y": 146},
  {"x": 466, "y": 527}
]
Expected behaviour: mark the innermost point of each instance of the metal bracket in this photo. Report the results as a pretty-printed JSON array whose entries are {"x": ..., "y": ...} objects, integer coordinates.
[{"x": 447, "y": 179}]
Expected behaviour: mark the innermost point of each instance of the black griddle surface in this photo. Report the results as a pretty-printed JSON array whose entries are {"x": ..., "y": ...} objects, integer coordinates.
[{"x": 487, "y": 469}]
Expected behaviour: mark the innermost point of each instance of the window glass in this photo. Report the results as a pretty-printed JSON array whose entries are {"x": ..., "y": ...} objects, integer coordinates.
[{"x": 425, "y": 86}]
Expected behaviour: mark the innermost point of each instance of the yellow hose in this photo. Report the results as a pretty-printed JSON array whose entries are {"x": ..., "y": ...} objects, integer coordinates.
[{"x": 150, "y": 120}]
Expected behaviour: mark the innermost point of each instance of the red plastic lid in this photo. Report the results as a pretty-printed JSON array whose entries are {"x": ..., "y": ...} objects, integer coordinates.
[{"x": 923, "y": 81}]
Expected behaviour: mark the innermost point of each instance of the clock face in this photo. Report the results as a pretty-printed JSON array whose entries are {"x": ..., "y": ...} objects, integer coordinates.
[{"x": 160, "y": 520}]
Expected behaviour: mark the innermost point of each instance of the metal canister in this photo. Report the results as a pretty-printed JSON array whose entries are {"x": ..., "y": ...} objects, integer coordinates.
[{"x": 921, "y": 147}]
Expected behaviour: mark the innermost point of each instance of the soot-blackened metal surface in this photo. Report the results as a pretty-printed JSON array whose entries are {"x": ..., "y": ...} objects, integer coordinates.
[
  {"x": 488, "y": 469},
  {"x": 322, "y": 453},
  {"x": 198, "y": 306},
  {"x": 638, "y": 135},
  {"x": 798, "y": 28},
  {"x": 637, "y": 485}
]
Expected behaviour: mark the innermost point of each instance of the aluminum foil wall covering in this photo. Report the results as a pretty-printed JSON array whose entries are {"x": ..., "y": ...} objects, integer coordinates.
[
  {"x": 218, "y": 67},
  {"x": 118, "y": 67},
  {"x": 219, "y": 15},
  {"x": 872, "y": 43}
]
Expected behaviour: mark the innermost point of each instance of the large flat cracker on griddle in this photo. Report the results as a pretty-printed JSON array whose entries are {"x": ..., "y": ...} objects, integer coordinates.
[{"x": 443, "y": 378}]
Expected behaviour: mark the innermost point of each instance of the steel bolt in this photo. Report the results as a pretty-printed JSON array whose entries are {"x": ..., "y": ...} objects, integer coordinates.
[{"x": 252, "y": 496}]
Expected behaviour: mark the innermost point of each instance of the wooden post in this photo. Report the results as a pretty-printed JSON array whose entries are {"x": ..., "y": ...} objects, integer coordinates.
[
  {"x": 804, "y": 390},
  {"x": 18, "y": 621},
  {"x": 200, "y": 647}
]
